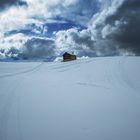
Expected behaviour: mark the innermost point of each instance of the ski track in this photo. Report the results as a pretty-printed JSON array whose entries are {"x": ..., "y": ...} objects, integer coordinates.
[
  {"x": 70, "y": 65},
  {"x": 18, "y": 97},
  {"x": 92, "y": 85},
  {"x": 6, "y": 109},
  {"x": 13, "y": 97},
  {"x": 113, "y": 74},
  {"x": 23, "y": 72},
  {"x": 125, "y": 77}
]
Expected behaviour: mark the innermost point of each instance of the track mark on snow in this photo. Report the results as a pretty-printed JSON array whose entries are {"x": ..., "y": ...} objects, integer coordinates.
[
  {"x": 125, "y": 78},
  {"x": 92, "y": 85},
  {"x": 23, "y": 72},
  {"x": 4, "y": 116}
]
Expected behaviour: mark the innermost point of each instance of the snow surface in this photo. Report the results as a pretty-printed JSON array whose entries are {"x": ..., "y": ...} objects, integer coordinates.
[{"x": 91, "y": 99}]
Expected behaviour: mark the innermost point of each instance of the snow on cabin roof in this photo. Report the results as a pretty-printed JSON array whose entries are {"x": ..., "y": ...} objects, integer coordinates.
[{"x": 66, "y": 53}]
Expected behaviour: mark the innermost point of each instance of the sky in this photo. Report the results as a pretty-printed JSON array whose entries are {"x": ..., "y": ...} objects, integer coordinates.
[{"x": 44, "y": 29}]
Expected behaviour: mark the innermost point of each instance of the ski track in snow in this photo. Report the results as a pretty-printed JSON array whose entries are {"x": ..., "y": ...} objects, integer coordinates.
[
  {"x": 124, "y": 76},
  {"x": 93, "y": 85},
  {"x": 113, "y": 74},
  {"x": 6, "y": 110},
  {"x": 23, "y": 72},
  {"x": 14, "y": 97}
]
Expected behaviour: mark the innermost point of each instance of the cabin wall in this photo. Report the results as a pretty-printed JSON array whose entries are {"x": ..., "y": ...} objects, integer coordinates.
[{"x": 69, "y": 57}]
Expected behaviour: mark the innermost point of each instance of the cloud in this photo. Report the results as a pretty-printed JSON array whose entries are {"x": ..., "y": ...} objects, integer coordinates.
[
  {"x": 79, "y": 11},
  {"x": 92, "y": 41},
  {"x": 22, "y": 47},
  {"x": 72, "y": 40},
  {"x": 20, "y": 18},
  {"x": 126, "y": 23},
  {"x": 38, "y": 48},
  {"x": 7, "y": 3},
  {"x": 115, "y": 28},
  {"x": 108, "y": 27},
  {"x": 38, "y": 11},
  {"x": 99, "y": 29}
]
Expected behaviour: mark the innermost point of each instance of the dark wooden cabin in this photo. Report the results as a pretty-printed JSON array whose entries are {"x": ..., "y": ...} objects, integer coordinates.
[{"x": 68, "y": 57}]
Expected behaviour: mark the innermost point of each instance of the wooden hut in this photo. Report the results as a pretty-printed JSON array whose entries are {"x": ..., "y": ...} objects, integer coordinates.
[{"x": 68, "y": 57}]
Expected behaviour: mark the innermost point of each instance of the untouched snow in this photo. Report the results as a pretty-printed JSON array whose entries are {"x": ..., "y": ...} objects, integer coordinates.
[{"x": 91, "y": 99}]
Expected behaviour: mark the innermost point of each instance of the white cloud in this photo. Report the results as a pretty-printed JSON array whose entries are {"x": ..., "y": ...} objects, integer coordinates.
[
  {"x": 16, "y": 18},
  {"x": 76, "y": 41},
  {"x": 38, "y": 10},
  {"x": 16, "y": 41}
]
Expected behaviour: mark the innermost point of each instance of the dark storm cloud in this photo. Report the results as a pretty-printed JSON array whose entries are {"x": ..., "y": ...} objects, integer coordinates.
[
  {"x": 33, "y": 48},
  {"x": 82, "y": 39},
  {"x": 37, "y": 48},
  {"x": 6, "y": 3},
  {"x": 127, "y": 34}
]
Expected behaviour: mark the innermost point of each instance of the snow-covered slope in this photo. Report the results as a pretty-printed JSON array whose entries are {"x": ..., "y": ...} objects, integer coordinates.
[{"x": 92, "y": 99}]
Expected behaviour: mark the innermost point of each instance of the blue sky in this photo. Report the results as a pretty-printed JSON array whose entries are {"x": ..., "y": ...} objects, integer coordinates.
[
  {"x": 89, "y": 28},
  {"x": 48, "y": 29}
]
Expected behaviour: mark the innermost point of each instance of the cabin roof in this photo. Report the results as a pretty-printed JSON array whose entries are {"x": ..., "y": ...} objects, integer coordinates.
[{"x": 66, "y": 53}]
